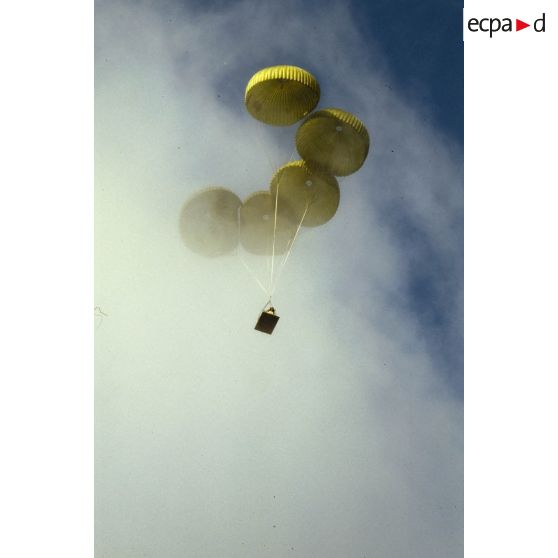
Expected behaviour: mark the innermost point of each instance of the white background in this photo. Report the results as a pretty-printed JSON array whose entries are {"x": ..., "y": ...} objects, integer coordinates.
[
  {"x": 510, "y": 286},
  {"x": 47, "y": 247}
]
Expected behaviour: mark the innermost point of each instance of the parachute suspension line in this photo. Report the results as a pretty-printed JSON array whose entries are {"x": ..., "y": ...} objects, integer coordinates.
[
  {"x": 270, "y": 262},
  {"x": 251, "y": 272},
  {"x": 275, "y": 227},
  {"x": 268, "y": 259},
  {"x": 246, "y": 266},
  {"x": 292, "y": 153},
  {"x": 291, "y": 244},
  {"x": 267, "y": 305},
  {"x": 274, "y": 237}
]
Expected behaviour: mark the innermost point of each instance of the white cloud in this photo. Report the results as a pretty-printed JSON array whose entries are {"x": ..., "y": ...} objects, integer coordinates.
[{"x": 336, "y": 436}]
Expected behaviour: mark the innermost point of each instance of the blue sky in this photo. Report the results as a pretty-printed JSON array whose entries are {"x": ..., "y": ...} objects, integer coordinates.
[
  {"x": 422, "y": 44},
  {"x": 341, "y": 434},
  {"x": 423, "y": 47}
]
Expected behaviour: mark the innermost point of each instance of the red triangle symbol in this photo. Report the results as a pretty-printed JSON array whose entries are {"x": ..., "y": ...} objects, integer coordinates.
[{"x": 519, "y": 25}]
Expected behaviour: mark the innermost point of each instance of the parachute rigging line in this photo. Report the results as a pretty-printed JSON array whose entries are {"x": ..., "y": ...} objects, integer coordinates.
[
  {"x": 289, "y": 250},
  {"x": 246, "y": 266},
  {"x": 274, "y": 236},
  {"x": 271, "y": 289}
]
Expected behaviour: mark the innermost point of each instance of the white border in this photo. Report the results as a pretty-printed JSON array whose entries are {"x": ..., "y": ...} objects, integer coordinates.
[
  {"x": 510, "y": 287},
  {"x": 47, "y": 279}
]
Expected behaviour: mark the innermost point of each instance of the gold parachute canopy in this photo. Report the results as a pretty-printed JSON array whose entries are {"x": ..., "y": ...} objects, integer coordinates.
[
  {"x": 281, "y": 95},
  {"x": 312, "y": 195},
  {"x": 257, "y": 224},
  {"x": 334, "y": 140},
  {"x": 209, "y": 222}
]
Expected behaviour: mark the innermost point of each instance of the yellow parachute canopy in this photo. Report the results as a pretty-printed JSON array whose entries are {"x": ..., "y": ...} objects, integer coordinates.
[
  {"x": 257, "y": 225},
  {"x": 334, "y": 140},
  {"x": 281, "y": 95},
  {"x": 209, "y": 222},
  {"x": 312, "y": 195}
]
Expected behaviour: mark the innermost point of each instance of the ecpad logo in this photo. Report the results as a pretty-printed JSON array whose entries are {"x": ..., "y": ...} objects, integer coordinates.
[{"x": 493, "y": 25}]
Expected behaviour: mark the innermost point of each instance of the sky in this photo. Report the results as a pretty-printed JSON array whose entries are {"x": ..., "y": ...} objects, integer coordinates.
[
  {"x": 340, "y": 434},
  {"x": 422, "y": 45}
]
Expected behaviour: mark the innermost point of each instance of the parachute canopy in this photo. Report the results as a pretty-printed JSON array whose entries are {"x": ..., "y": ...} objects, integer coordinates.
[
  {"x": 260, "y": 232},
  {"x": 334, "y": 140},
  {"x": 209, "y": 222},
  {"x": 312, "y": 196},
  {"x": 281, "y": 95}
]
